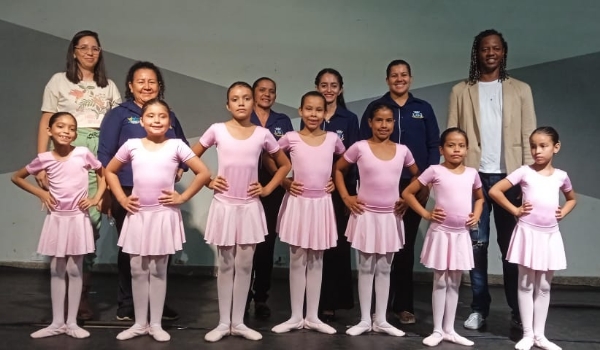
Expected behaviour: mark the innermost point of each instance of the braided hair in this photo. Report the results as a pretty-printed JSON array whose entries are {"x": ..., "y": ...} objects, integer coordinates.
[{"x": 474, "y": 72}]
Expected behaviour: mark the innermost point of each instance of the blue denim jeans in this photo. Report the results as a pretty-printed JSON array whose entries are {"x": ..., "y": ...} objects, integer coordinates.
[{"x": 480, "y": 237}]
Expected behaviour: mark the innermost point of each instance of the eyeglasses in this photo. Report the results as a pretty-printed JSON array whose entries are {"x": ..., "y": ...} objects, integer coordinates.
[{"x": 95, "y": 49}]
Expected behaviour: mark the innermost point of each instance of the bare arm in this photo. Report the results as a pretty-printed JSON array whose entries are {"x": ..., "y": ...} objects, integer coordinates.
[
  {"x": 41, "y": 178},
  {"x": 19, "y": 179},
  {"x": 283, "y": 168},
  {"x": 218, "y": 183},
  {"x": 410, "y": 197},
  {"x": 352, "y": 202},
  {"x": 269, "y": 163},
  {"x": 43, "y": 138},
  {"x": 201, "y": 179},
  {"x": 497, "y": 194},
  {"x": 477, "y": 207},
  {"x": 563, "y": 211},
  {"x": 112, "y": 180},
  {"x": 86, "y": 203}
]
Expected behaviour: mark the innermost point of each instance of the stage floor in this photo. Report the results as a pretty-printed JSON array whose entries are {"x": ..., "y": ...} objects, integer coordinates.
[{"x": 25, "y": 306}]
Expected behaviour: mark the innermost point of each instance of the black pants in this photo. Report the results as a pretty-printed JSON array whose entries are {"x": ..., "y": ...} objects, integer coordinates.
[
  {"x": 336, "y": 286},
  {"x": 124, "y": 294},
  {"x": 401, "y": 278},
  {"x": 262, "y": 267}
]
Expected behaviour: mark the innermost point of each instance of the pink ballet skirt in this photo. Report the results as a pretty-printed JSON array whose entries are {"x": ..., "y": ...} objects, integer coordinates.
[
  {"x": 155, "y": 230},
  {"x": 306, "y": 222},
  {"x": 66, "y": 233},
  {"x": 231, "y": 222},
  {"x": 538, "y": 248},
  {"x": 376, "y": 231},
  {"x": 447, "y": 248}
]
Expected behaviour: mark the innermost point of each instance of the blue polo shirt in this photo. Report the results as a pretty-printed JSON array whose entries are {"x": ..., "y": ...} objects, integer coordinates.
[
  {"x": 345, "y": 124},
  {"x": 415, "y": 127},
  {"x": 278, "y": 124},
  {"x": 123, "y": 123}
]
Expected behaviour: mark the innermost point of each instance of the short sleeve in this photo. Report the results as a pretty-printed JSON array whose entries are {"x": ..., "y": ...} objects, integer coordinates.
[
  {"x": 339, "y": 146},
  {"x": 516, "y": 176},
  {"x": 566, "y": 184},
  {"x": 51, "y": 95},
  {"x": 91, "y": 162},
  {"x": 184, "y": 152},
  {"x": 428, "y": 176},
  {"x": 270, "y": 144},
  {"x": 209, "y": 138},
  {"x": 35, "y": 166},
  {"x": 123, "y": 155},
  {"x": 115, "y": 95},
  {"x": 476, "y": 181},
  {"x": 284, "y": 142},
  {"x": 408, "y": 158},
  {"x": 353, "y": 153}
]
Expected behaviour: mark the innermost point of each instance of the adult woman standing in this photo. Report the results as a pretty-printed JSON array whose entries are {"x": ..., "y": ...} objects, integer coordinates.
[
  {"x": 416, "y": 127},
  {"x": 84, "y": 91},
  {"x": 336, "y": 288},
  {"x": 144, "y": 82}
]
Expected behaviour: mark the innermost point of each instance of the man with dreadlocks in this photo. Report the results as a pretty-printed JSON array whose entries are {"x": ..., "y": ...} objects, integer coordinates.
[{"x": 497, "y": 113}]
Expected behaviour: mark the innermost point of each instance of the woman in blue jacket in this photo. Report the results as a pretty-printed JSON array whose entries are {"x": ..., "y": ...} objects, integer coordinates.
[{"x": 416, "y": 127}]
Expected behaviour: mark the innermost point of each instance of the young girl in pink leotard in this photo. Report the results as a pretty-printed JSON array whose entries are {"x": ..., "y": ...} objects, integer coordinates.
[
  {"x": 447, "y": 247},
  {"x": 67, "y": 234},
  {"x": 236, "y": 219},
  {"x": 306, "y": 219},
  {"x": 536, "y": 244},
  {"x": 153, "y": 228},
  {"x": 375, "y": 227}
]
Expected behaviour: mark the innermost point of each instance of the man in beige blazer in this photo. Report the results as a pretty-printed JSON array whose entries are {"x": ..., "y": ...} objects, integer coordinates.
[{"x": 497, "y": 114}]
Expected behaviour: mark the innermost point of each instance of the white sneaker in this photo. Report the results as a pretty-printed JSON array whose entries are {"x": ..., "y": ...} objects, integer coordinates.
[{"x": 475, "y": 321}]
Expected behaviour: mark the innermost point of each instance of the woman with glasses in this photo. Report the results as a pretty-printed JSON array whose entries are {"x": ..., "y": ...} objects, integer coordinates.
[{"x": 84, "y": 91}]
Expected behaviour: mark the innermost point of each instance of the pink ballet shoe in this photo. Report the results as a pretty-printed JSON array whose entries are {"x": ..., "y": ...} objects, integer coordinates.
[
  {"x": 218, "y": 333},
  {"x": 243, "y": 331},
  {"x": 359, "y": 329},
  {"x": 434, "y": 339},
  {"x": 457, "y": 339},
  {"x": 49, "y": 331},
  {"x": 134, "y": 331},
  {"x": 544, "y": 343},
  {"x": 158, "y": 333},
  {"x": 524, "y": 344},
  {"x": 287, "y": 326},
  {"x": 73, "y": 330},
  {"x": 387, "y": 328},
  {"x": 319, "y": 327}
]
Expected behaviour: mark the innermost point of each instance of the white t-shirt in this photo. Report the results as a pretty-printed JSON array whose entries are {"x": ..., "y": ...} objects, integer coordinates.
[
  {"x": 490, "y": 112},
  {"x": 85, "y": 100}
]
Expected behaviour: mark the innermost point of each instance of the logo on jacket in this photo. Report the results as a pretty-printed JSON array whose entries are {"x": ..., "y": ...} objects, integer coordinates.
[
  {"x": 417, "y": 115},
  {"x": 133, "y": 120},
  {"x": 277, "y": 132},
  {"x": 340, "y": 134}
]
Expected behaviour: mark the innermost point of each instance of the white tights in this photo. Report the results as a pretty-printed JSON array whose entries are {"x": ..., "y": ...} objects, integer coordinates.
[
  {"x": 149, "y": 286},
  {"x": 59, "y": 267},
  {"x": 306, "y": 270},
  {"x": 534, "y": 300},
  {"x": 444, "y": 299},
  {"x": 375, "y": 267},
  {"x": 233, "y": 282}
]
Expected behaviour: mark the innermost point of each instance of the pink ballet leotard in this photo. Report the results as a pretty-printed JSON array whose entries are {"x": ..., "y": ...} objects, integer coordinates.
[
  {"x": 308, "y": 220},
  {"x": 67, "y": 230},
  {"x": 234, "y": 217}
]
